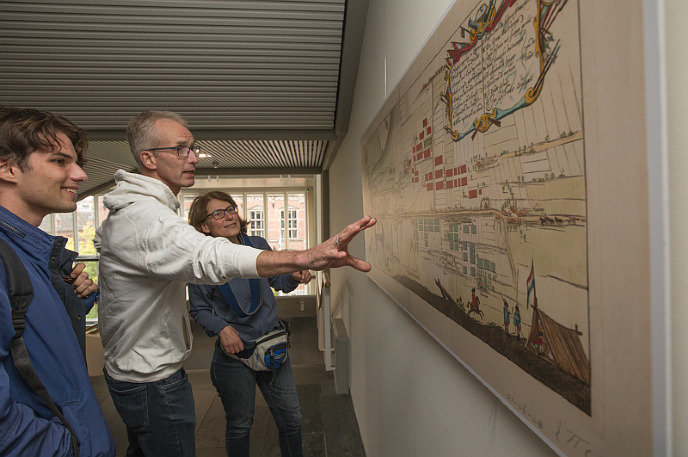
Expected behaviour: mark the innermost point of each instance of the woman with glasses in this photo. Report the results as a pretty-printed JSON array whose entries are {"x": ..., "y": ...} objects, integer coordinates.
[{"x": 240, "y": 312}]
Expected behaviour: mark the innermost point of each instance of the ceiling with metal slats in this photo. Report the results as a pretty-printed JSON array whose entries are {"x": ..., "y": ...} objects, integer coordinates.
[{"x": 265, "y": 85}]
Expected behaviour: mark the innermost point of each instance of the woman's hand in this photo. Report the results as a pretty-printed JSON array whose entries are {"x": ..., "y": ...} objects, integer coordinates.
[
  {"x": 304, "y": 277},
  {"x": 230, "y": 341}
]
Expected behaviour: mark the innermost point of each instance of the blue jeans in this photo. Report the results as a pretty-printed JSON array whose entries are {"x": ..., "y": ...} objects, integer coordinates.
[
  {"x": 160, "y": 416},
  {"x": 236, "y": 384}
]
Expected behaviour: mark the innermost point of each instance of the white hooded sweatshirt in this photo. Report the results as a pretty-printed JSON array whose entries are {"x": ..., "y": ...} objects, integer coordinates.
[{"x": 147, "y": 255}]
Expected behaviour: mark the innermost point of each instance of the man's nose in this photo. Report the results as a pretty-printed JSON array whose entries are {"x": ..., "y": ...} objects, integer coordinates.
[{"x": 78, "y": 174}]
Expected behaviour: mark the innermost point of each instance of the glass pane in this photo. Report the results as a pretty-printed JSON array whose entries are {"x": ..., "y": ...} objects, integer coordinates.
[
  {"x": 64, "y": 226},
  {"x": 293, "y": 225},
  {"x": 86, "y": 230},
  {"x": 47, "y": 224},
  {"x": 297, "y": 221},
  {"x": 239, "y": 200},
  {"x": 86, "y": 226},
  {"x": 92, "y": 270},
  {"x": 102, "y": 210},
  {"x": 296, "y": 230},
  {"x": 275, "y": 212},
  {"x": 186, "y": 205},
  {"x": 256, "y": 214}
]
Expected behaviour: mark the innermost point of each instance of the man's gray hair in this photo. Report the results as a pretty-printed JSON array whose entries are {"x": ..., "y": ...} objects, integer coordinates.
[{"x": 141, "y": 132}]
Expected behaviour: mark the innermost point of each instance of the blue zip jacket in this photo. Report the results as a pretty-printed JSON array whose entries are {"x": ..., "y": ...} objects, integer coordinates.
[
  {"x": 27, "y": 427},
  {"x": 210, "y": 310}
]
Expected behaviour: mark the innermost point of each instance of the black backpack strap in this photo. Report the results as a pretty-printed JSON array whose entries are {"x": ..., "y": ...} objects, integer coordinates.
[{"x": 20, "y": 293}]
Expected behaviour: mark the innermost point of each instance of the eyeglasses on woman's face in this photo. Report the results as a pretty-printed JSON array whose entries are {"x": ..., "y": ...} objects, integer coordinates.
[{"x": 220, "y": 213}]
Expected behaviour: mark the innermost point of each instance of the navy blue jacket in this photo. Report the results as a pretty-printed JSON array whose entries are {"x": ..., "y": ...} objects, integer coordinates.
[
  {"x": 27, "y": 427},
  {"x": 210, "y": 310}
]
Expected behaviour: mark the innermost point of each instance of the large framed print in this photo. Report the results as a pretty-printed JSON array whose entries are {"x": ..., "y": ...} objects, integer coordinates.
[{"x": 508, "y": 172}]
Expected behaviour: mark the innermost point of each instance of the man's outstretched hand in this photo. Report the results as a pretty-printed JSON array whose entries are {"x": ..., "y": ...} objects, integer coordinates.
[{"x": 334, "y": 253}]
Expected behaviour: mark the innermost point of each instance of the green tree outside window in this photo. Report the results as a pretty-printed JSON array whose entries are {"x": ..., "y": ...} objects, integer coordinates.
[{"x": 86, "y": 247}]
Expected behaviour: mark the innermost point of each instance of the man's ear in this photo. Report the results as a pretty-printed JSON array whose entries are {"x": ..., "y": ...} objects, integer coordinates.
[
  {"x": 148, "y": 160},
  {"x": 8, "y": 170}
]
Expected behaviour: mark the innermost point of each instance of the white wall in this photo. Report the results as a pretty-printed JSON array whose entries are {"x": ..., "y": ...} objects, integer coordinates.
[
  {"x": 677, "y": 89},
  {"x": 411, "y": 397}
]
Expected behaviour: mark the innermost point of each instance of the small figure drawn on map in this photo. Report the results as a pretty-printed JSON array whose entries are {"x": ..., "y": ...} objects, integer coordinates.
[
  {"x": 517, "y": 321},
  {"x": 481, "y": 286},
  {"x": 475, "y": 305},
  {"x": 539, "y": 343},
  {"x": 507, "y": 317}
]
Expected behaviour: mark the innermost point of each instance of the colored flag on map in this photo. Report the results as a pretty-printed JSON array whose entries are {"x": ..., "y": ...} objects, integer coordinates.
[{"x": 530, "y": 283}]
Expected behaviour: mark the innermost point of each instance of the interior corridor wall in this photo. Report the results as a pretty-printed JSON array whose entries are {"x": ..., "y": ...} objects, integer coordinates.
[
  {"x": 411, "y": 397},
  {"x": 676, "y": 37}
]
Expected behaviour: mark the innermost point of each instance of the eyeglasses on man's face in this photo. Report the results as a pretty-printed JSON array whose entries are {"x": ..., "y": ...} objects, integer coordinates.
[
  {"x": 182, "y": 151},
  {"x": 220, "y": 213}
]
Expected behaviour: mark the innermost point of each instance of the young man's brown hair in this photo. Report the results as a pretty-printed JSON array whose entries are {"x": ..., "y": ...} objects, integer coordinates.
[{"x": 24, "y": 130}]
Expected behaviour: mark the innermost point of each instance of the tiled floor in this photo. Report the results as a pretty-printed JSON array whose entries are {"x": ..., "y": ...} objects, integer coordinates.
[{"x": 329, "y": 423}]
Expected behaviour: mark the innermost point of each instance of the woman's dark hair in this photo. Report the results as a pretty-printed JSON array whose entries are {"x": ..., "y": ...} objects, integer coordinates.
[{"x": 199, "y": 209}]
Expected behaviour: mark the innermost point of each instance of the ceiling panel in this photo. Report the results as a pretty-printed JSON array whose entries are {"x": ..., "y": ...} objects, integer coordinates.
[{"x": 263, "y": 84}]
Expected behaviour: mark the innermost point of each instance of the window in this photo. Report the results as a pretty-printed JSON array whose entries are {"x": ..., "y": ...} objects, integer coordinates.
[
  {"x": 255, "y": 213},
  {"x": 79, "y": 228},
  {"x": 239, "y": 200},
  {"x": 257, "y": 224},
  {"x": 186, "y": 204},
  {"x": 292, "y": 224},
  {"x": 276, "y": 235},
  {"x": 64, "y": 226}
]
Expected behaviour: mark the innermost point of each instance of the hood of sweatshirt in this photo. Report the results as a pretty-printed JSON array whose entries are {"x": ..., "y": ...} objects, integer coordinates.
[{"x": 132, "y": 188}]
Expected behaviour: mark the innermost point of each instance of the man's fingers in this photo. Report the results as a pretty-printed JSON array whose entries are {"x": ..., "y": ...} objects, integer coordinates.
[
  {"x": 360, "y": 265},
  {"x": 354, "y": 229},
  {"x": 86, "y": 288},
  {"x": 370, "y": 222},
  {"x": 78, "y": 269}
]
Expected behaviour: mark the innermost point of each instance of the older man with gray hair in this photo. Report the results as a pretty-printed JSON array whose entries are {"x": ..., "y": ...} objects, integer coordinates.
[{"x": 148, "y": 254}]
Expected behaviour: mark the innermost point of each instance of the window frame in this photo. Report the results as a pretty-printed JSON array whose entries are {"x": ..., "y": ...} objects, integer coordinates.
[{"x": 289, "y": 194}]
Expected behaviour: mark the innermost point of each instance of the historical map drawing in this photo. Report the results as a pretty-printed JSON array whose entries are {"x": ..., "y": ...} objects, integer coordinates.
[{"x": 476, "y": 174}]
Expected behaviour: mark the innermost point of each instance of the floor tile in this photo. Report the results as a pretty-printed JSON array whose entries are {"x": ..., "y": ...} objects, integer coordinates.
[{"x": 329, "y": 423}]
